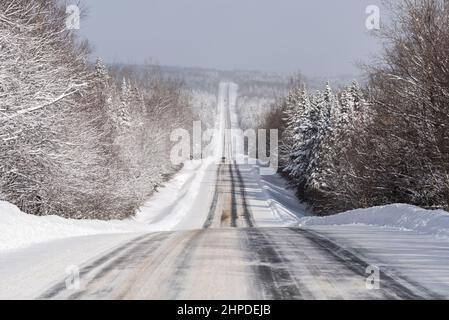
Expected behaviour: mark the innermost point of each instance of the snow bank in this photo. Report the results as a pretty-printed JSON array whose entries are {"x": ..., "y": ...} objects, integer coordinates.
[
  {"x": 399, "y": 216},
  {"x": 282, "y": 200},
  {"x": 168, "y": 208},
  {"x": 162, "y": 212},
  {"x": 18, "y": 229}
]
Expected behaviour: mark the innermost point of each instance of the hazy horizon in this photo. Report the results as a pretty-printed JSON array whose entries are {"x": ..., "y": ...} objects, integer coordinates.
[{"x": 318, "y": 38}]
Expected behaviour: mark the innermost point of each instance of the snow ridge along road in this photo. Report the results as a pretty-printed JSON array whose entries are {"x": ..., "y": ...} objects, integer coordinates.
[{"x": 241, "y": 250}]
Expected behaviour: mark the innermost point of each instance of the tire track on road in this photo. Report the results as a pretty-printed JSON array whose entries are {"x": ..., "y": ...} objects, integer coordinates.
[
  {"x": 395, "y": 285},
  {"x": 214, "y": 205},
  {"x": 246, "y": 212},
  {"x": 100, "y": 282},
  {"x": 271, "y": 268},
  {"x": 234, "y": 213},
  {"x": 165, "y": 268},
  {"x": 62, "y": 286}
]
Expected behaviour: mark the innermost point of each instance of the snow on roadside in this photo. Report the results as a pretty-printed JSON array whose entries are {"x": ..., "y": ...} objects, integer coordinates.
[
  {"x": 282, "y": 198},
  {"x": 168, "y": 208},
  {"x": 398, "y": 216},
  {"x": 18, "y": 229},
  {"x": 274, "y": 193}
]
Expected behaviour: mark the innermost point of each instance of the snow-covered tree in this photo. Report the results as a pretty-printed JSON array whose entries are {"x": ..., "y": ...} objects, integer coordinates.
[
  {"x": 298, "y": 123},
  {"x": 324, "y": 127},
  {"x": 72, "y": 143}
]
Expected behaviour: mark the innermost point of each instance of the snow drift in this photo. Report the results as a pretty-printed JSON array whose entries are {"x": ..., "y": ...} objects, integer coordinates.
[
  {"x": 18, "y": 229},
  {"x": 400, "y": 216}
]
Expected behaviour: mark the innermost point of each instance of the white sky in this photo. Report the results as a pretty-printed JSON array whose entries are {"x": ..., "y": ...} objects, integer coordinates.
[{"x": 317, "y": 37}]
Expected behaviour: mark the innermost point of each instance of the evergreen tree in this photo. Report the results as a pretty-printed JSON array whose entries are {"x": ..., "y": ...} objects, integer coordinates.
[
  {"x": 123, "y": 117},
  {"x": 319, "y": 161},
  {"x": 291, "y": 111},
  {"x": 306, "y": 134},
  {"x": 302, "y": 106}
]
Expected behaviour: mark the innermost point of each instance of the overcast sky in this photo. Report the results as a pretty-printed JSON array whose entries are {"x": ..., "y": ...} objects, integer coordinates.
[{"x": 317, "y": 37}]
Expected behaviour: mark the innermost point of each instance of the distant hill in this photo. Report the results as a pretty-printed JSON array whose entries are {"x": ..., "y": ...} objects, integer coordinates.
[{"x": 251, "y": 83}]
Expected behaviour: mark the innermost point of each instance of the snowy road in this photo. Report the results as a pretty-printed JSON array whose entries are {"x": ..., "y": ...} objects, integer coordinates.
[
  {"x": 236, "y": 243},
  {"x": 231, "y": 263}
]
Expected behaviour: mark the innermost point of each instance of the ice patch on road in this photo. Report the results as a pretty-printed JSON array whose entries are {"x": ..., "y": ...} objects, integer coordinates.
[{"x": 399, "y": 216}]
